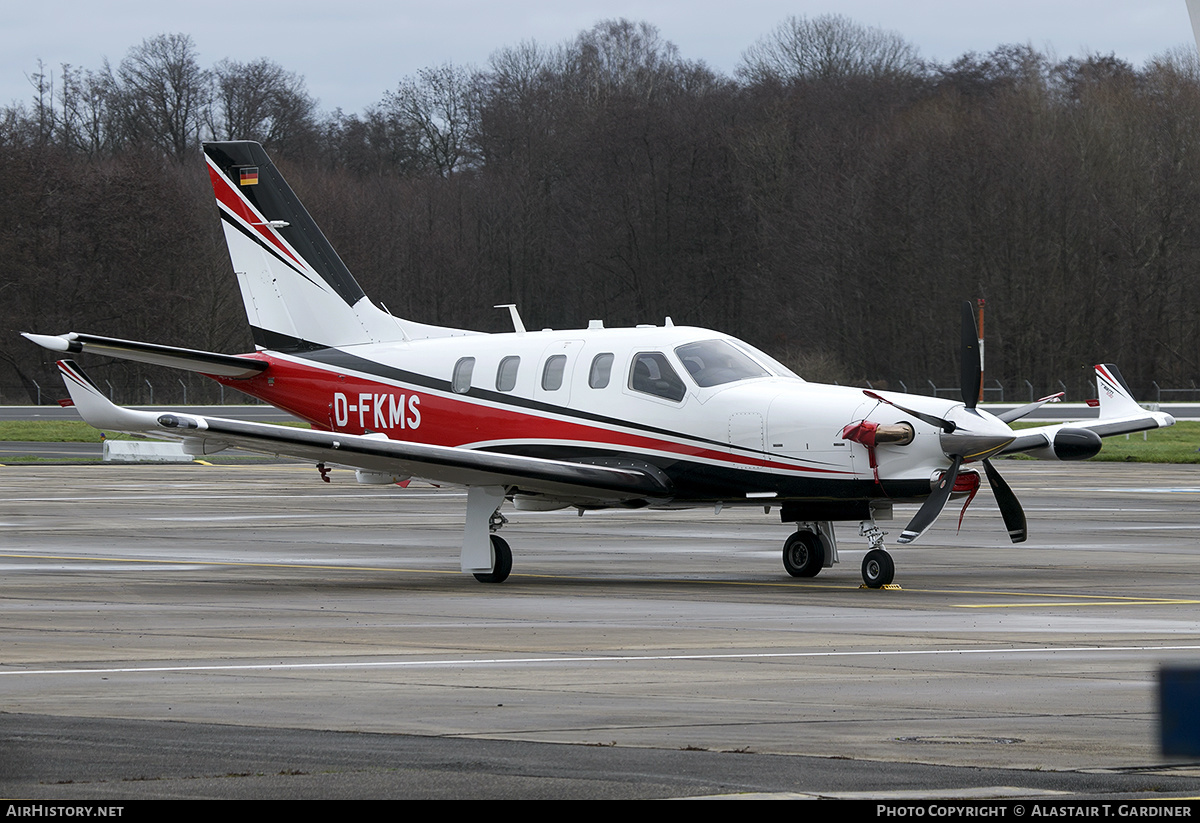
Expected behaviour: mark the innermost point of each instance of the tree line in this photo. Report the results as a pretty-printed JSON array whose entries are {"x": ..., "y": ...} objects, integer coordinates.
[{"x": 832, "y": 202}]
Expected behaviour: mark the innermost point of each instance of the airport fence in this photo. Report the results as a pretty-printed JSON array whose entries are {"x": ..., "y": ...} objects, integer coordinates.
[{"x": 196, "y": 391}]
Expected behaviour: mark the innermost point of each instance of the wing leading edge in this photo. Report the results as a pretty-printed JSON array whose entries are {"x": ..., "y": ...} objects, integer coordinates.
[
  {"x": 204, "y": 362},
  {"x": 575, "y": 482}
]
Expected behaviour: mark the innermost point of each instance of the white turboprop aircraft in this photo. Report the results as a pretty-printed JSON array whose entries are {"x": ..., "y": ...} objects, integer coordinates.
[{"x": 654, "y": 417}]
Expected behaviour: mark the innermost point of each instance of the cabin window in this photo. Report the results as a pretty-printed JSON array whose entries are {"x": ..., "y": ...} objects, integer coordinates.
[
  {"x": 506, "y": 375},
  {"x": 461, "y": 382},
  {"x": 652, "y": 374},
  {"x": 600, "y": 371},
  {"x": 552, "y": 372},
  {"x": 715, "y": 362}
]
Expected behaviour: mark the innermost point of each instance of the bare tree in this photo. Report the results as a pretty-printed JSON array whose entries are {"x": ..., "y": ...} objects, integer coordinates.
[
  {"x": 87, "y": 114},
  {"x": 261, "y": 101},
  {"x": 163, "y": 94},
  {"x": 624, "y": 57},
  {"x": 517, "y": 72},
  {"x": 438, "y": 105},
  {"x": 827, "y": 47},
  {"x": 45, "y": 116}
]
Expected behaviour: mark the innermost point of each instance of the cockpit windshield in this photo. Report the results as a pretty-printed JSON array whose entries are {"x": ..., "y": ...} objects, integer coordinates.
[
  {"x": 715, "y": 362},
  {"x": 770, "y": 362}
]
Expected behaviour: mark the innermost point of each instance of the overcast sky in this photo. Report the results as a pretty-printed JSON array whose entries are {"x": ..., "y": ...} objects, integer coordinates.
[{"x": 351, "y": 53}]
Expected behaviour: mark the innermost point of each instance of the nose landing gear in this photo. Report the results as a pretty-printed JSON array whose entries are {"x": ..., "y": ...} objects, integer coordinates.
[{"x": 878, "y": 568}]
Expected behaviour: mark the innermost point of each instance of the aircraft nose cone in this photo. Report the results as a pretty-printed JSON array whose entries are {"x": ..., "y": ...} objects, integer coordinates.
[{"x": 976, "y": 436}]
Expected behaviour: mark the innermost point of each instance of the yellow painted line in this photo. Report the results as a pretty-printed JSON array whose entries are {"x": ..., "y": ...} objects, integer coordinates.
[
  {"x": 1051, "y": 599},
  {"x": 1045, "y": 599},
  {"x": 389, "y": 569},
  {"x": 1048, "y": 595},
  {"x": 1133, "y": 601},
  {"x": 675, "y": 581}
]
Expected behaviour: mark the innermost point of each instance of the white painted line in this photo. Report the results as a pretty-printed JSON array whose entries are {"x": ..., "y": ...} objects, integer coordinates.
[{"x": 451, "y": 663}]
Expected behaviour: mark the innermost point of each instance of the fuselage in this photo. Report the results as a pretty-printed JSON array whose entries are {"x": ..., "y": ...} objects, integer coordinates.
[{"x": 723, "y": 420}]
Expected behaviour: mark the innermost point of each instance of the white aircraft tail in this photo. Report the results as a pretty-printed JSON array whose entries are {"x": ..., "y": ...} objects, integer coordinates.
[
  {"x": 1116, "y": 400},
  {"x": 297, "y": 292}
]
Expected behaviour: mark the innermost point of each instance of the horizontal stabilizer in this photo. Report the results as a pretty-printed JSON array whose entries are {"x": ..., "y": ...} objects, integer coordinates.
[
  {"x": 96, "y": 409},
  {"x": 209, "y": 363}
]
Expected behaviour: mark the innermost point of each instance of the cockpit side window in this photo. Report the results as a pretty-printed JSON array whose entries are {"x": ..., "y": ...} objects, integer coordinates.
[
  {"x": 651, "y": 373},
  {"x": 715, "y": 362}
]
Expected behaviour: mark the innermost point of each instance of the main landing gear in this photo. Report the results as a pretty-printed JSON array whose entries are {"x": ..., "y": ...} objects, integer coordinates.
[
  {"x": 501, "y": 561},
  {"x": 812, "y": 547},
  {"x": 501, "y": 553},
  {"x": 803, "y": 555},
  {"x": 485, "y": 554}
]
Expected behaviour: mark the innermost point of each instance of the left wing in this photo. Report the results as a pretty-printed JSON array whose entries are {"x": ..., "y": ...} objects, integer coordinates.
[
  {"x": 576, "y": 482},
  {"x": 1119, "y": 414}
]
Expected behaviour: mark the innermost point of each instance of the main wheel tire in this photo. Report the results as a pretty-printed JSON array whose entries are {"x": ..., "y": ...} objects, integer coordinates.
[
  {"x": 501, "y": 562},
  {"x": 878, "y": 569},
  {"x": 803, "y": 555}
]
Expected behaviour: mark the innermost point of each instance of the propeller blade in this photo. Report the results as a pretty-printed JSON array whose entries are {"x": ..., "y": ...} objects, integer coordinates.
[
  {"x": 971, "y": 377},
  {"x": 1010, "y": 506},
  {"x": 945, "y": 425},
  {"x": 933, "y": 504}
]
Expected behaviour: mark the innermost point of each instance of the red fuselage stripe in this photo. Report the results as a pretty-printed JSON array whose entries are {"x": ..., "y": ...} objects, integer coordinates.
[
  {"x": 337, "y": 401},
  {"x": 233, "y": 201}
]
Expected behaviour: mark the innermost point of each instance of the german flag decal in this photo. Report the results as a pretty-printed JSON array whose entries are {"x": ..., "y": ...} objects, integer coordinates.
[{"x": 249, "y": 175}]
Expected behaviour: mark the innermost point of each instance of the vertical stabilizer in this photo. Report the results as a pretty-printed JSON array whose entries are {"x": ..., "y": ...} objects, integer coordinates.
[
  {"x": 297, "y": 292},
  {"x": 1116, "y": 400}
]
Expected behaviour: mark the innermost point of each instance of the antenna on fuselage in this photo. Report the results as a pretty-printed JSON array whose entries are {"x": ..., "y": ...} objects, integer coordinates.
[
  {"x": 399, "y": 325},
  {"x": 518, "y": 326}
]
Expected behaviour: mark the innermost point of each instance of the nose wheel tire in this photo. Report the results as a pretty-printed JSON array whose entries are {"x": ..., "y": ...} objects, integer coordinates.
[
  {"x": 501, "y": 562},
  {"x": 878, "y": 569},
  {"x": 803, "y": 555}
]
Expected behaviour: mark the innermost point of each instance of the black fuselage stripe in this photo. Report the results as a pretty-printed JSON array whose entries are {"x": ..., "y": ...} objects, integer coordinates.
[
  {"x": 274, "y": 252},
  {"x": 328, "y": 356},
  {"x": 697, "y": 481}
]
